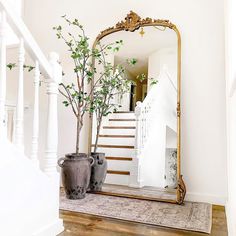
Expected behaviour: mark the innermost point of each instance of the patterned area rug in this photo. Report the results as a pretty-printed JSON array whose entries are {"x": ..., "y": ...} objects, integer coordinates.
[{"x": 191, "y": 216}]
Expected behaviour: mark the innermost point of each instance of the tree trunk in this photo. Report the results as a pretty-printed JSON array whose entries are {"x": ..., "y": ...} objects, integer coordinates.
[
  {"x": 97, "y": 134},
  {"x": 78, "y": 135}
]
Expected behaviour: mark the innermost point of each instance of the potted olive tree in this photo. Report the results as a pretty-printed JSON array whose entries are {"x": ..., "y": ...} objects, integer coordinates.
[{"x": 76, "y": 166}]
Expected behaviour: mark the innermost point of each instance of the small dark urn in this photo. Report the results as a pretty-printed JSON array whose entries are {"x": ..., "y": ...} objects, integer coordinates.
[
  {"x": 98, "y": 172},
  {"x": 76, "y": 172}
]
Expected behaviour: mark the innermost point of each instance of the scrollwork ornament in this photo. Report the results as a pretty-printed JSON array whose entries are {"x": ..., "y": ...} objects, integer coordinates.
[
  {"x": 133, "y": 22},
  {"x": 181, "y": 190},
  {"x": 178, "y": 109}
]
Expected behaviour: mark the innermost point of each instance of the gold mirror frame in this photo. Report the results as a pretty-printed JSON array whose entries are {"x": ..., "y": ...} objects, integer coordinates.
[{"x": 132, "y": 23}]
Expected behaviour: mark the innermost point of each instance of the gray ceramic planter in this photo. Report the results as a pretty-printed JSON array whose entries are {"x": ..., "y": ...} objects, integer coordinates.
[
  {"x": 98, "y": 172},
  {"x": 76, "y": 172}
]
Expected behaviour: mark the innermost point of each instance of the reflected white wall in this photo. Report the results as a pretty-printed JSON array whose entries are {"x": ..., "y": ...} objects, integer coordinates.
[{"x": 161, "y": 58}]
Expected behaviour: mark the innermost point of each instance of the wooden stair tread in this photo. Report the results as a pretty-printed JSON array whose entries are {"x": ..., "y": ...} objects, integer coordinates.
[
  {"x": 120, "y": 158},
  {"x": 118, "y": 172},
  {"x": 114, "y": 146},
  {"x": 121, "y": 119},
  {"x": 124, "y": 112},
  {"x": 115, "y": 136},
  {"x": 119, "y": 127}
]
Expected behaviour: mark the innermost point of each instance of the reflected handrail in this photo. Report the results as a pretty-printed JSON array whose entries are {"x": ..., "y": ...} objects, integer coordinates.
[{"x": 143, "y": 111}]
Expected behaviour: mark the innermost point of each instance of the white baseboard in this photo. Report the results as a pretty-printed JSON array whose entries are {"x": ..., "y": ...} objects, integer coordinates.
[
  {"x": 199, "y": 197},
  {"x": 52, "y": 229}
]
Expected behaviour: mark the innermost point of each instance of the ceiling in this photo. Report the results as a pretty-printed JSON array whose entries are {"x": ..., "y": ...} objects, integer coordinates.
[{"x": 140, "y": 47}]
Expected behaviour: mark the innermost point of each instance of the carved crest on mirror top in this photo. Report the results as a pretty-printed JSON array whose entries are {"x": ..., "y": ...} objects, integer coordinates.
[{"x": 133, "y": 22}]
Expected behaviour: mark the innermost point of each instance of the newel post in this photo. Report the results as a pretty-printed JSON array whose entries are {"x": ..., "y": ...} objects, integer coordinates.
[
  {"x": 135, "y": 177},
  {"x": 19, "y": 125},
  {"x": 138, "y": 134},
  {"x": 50, "y": 167},
  {"x": 35, "y": 136}
]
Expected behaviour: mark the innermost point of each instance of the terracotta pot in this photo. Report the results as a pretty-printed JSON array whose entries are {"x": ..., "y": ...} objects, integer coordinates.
[
  {"x": 76, "y": 172},
  {"x": 98, "y": 171}
]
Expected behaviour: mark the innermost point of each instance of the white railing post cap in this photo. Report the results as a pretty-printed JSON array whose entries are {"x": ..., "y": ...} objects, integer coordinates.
[
  {"x": 138, "y": 108},
  {"x": 56, "y": 75},
  {"x": 53, "y": 56}
]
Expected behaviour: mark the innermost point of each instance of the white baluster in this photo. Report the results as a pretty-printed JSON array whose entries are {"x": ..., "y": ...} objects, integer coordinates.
[
  {"x": 138, "y": 134},
  {"x": 50, "y": 167},
  {"x": 3, "y": 132},
  {"x": 144, "y": 125},
  {"x": 19, "y": 134},
  {"x": 142, "y": 128},
  {"x": 148, "y": 118},
  {"x": 134, "y": 180},
  {"x": 34, "y": 150}
]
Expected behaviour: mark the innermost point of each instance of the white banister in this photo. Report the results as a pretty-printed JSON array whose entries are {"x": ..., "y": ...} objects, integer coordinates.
[
  {"x": 143, "y": 120},
  {"x": 20, "y": 29},
  {"x": 138, "y": 130},
  {"x": 34, "y": 148},
  {"x": 143, "y": 113},
  {"x": 144, "y": 110},
  {"x": 2, "y": 74},
  {"x": 50, "y": 167},
  {"x": 19, "y": 131}
]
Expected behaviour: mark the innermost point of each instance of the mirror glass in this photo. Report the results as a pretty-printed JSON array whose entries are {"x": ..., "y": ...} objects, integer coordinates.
[{"x": 140, "y": 138}]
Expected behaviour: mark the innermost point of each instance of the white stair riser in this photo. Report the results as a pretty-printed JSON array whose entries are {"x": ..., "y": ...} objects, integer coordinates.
[
  {"x": 117, "y": 141},
  {"x": 118, "y": 131},
  {"x": 122, "y": 116},
  {"x": 119, "y": 165},
  {"x": 117, "y": 152},
  {"x": 122, "y": 123},
  {"x": 117, "y": 179}
]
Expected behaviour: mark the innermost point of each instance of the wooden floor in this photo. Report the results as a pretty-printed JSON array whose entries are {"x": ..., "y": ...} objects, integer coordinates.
[{"x": 77, "y": 224}]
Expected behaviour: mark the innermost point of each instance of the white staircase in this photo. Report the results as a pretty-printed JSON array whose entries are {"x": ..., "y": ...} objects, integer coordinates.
[
  {"x": 29, "y": 201},
  {"x": 117, "y": 141}
]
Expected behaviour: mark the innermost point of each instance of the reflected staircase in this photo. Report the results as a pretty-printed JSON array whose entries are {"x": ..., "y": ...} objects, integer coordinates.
[
  {"x": 125, "y": 136},
  {"x": 117, "y": 141}
]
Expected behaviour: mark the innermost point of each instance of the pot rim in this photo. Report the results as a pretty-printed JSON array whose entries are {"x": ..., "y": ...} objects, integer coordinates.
[{"x": 80, "y": 155}]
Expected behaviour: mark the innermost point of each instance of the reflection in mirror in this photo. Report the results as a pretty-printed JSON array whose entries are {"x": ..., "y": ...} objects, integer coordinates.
[{"x": 140, "y": 138}]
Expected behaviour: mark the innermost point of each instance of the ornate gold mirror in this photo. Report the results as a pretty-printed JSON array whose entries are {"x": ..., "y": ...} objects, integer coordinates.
[{"x": 141, "y": 140}]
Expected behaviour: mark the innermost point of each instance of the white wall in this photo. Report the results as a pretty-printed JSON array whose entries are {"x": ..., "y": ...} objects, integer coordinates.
[
  {"x": 231, "y": 113},
  {"x": 152, "y": 161},
  {"x": 171, "y": 138},
  {"x": 165, "y": 57},
  {"x": 203, "y": 86}
]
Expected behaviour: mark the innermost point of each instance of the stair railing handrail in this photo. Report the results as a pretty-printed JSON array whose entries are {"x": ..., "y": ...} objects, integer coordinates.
[
  {"x": 143, "y": 113},
  {"x": 170, "y": 80},
  {"x": 22, "y": 32}
]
